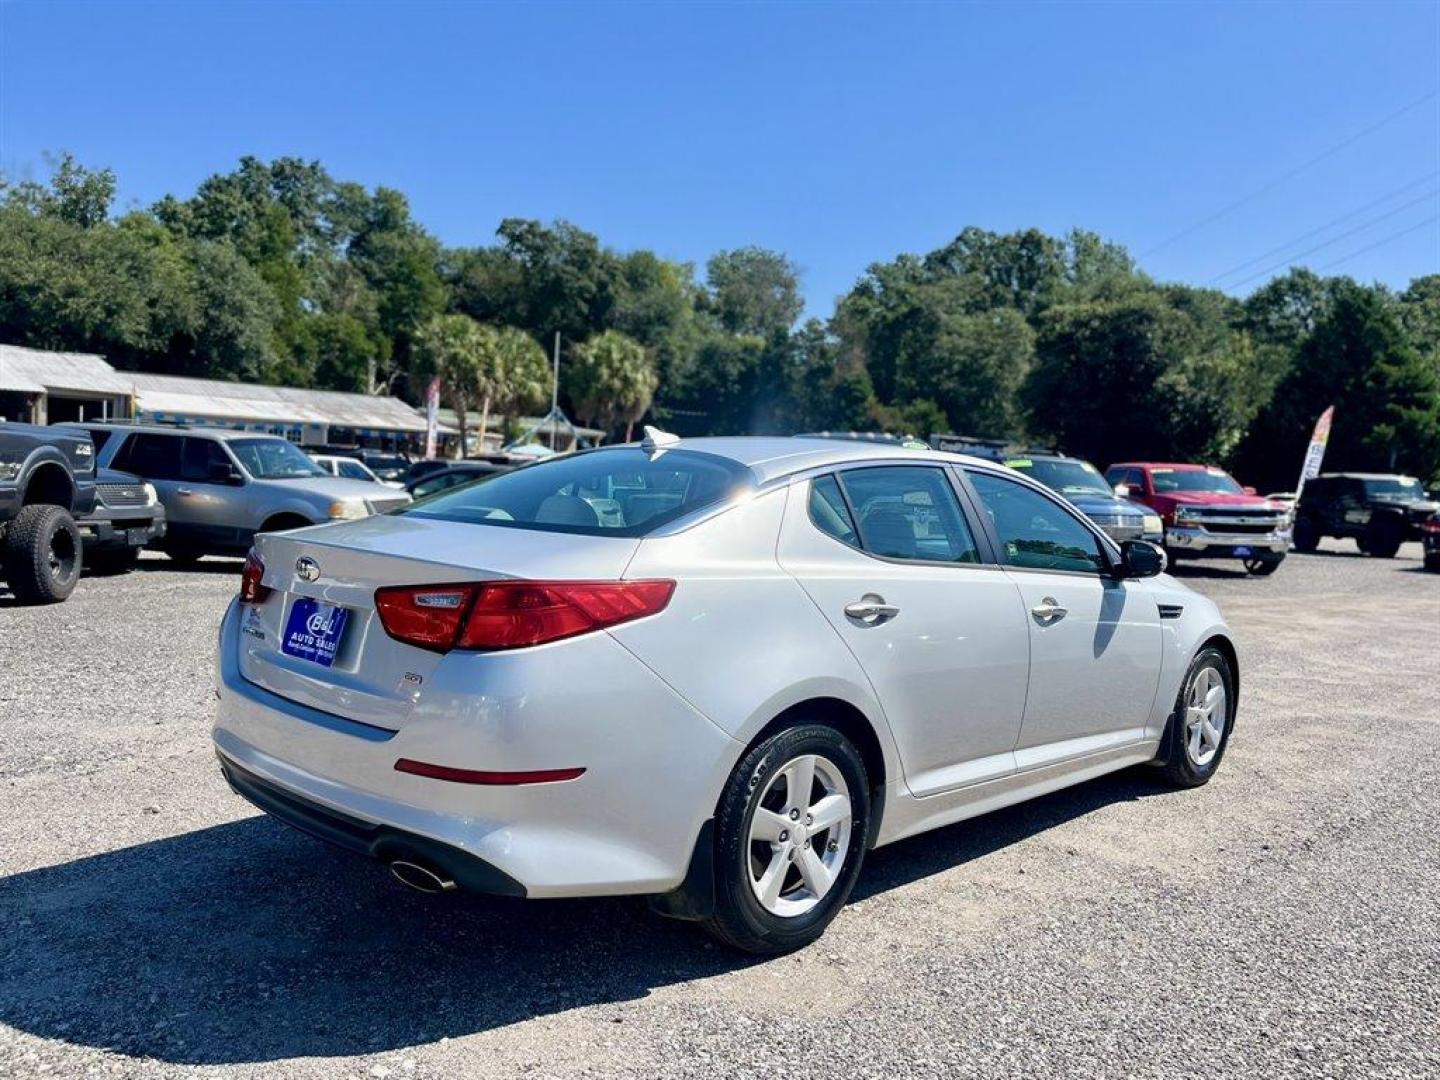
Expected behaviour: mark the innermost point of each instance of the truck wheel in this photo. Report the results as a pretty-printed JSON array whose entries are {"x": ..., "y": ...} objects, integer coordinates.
[
  {"x": 1306, "y": 536},
  {"x": 42, "y": 554},
  {"x": 1263, "y": 567},
  {"x": 183, "y": 557},
  {"x": 1383, "y": 537}
]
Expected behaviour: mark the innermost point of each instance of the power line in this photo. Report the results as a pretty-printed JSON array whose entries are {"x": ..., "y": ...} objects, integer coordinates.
[
  {"x": 1273, "y": 184},
  {"x": 1381, "y": 243},
  {"x": 1290, "y": 260},
  {"x": 1328, "y": 225}
]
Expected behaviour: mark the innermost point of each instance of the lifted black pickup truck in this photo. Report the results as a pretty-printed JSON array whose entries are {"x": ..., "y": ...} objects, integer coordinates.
[{"x": 46, "y": 477}]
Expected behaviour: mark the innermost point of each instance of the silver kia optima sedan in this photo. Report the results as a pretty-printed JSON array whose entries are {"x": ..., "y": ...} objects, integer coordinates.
[{"x": 715, "y": 671}]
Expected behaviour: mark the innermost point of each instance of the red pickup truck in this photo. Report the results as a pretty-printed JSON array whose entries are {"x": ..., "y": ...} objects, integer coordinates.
[{"x": 1207, "y": 515}]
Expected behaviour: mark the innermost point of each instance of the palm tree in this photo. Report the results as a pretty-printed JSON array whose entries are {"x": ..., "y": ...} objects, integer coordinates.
[{"x": 612, "y": 381}]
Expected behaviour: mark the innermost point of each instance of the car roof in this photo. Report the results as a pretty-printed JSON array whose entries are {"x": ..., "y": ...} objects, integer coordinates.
[
  {"x": 1179, "y": 466},
  {"x": 1364, "y": 476},
  {"x": 171, "y": 429},
  {"x": 772, "y": 456}
]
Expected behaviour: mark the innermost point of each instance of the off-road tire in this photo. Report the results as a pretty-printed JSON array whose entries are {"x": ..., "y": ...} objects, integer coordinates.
[
  {"x": 1383, "y": 537},
  {"x": 1306, "y": 536},
  {"x": 42, "y": 554},
  {"x": 1175, "y": 762},
  {"x": 739, "y": 920}
]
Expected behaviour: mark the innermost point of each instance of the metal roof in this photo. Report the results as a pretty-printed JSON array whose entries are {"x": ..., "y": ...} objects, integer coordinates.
[
  {"x": 36, "y": 371},
  {"x": 174, "y": 395}
]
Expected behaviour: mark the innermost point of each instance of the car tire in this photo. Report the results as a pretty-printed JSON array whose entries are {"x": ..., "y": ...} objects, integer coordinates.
[
  {"x": 1194, "y": 744},
  {"x": 42, "y": 554},
  {"x": 765, "y": 902},
  {"x": 183, "y": 557},
  {"x": 1383, "y": 537},
  {"x": 120, "y": 561},
  {"x": 1306, "y": 536},
  {"x": 1432, "y": 560},
  {"x": 1259, "y": 567}
]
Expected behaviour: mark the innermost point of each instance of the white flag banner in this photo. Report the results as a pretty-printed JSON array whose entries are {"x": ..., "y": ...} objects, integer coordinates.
[{"x": 1315, "y": 452}]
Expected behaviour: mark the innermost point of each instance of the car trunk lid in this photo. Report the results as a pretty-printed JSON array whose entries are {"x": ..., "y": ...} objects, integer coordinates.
[{"x": 373, "y": 678}]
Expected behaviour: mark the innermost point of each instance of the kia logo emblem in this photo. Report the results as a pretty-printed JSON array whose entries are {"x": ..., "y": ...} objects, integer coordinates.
[{"x": 306, "y": 568}]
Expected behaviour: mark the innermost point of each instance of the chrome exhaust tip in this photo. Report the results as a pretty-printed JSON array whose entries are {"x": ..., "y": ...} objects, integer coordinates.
[{"x": 420, "y": 878}]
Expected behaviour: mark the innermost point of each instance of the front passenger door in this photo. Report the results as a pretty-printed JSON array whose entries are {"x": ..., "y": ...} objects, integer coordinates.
[{"x": 1095, "y": 641}]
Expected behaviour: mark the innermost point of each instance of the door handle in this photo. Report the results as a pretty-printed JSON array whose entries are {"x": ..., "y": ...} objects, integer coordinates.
[
  {"x": 871, "y": 609},
  {"x": 1049, "y": 610}
]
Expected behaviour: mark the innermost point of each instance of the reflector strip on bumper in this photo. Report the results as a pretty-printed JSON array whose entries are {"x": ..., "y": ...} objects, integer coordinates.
[{"x": 479, "y": 776}]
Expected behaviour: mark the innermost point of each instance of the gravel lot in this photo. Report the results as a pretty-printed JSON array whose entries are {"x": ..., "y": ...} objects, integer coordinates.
[{"x": 1283, "y": 921}]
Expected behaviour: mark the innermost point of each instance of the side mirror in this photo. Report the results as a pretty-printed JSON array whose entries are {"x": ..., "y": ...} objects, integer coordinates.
[
  {"x": 1250, "y": 490},
  {"x": 225, "y": 474},
  {"x": 1140, "y": 559},
  {"x": 1123, "y": 490}
]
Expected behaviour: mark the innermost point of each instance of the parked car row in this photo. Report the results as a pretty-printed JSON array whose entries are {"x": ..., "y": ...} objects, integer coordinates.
[
  {"x": 96, "y": 494},
  {"x": 1201, "y": 511}
]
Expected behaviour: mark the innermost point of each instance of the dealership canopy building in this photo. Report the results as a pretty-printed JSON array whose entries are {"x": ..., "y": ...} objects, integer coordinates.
[{"x": 50, "y": 387}]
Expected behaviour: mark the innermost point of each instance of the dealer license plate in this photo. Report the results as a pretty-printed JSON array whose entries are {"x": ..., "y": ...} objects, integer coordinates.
[{"x": 314, "y": 631}]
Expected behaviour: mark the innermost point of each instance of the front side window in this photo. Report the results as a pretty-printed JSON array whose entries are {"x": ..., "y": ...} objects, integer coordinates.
[
  {"x": 1036, "y": 533},
  {"x": 1398, "y": 488},
  {"x": 617, "y": 492},
  {"x": 274, "y": 459},
  {"x": 909, "y": 512},
  {"x": 203, "y": 461}
]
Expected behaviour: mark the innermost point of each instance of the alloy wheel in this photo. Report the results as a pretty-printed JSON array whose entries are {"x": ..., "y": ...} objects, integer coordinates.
[
  {"x": 1205, "y": 716},
  {"x": 799, "y": 835}
]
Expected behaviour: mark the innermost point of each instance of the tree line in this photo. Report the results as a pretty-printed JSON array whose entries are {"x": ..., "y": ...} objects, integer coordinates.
[{"x": 277, "y": 272}]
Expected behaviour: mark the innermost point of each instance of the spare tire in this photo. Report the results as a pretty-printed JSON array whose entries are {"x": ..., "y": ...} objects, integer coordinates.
[{"x": 42, "y": 554}]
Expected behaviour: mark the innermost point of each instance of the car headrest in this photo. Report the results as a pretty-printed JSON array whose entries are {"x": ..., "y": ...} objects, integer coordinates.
[{"x": 566, "y": 510}]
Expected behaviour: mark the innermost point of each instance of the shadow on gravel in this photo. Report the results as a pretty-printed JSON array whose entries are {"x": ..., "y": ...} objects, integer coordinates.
[
  {"x": 217, "y": 565},
  {"x": 249, "y": 942}
]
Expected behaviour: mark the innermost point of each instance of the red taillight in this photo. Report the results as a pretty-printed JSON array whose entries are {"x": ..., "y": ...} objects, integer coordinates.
[
  {"x": 1431, "y": 525},
  {"x": 480, "y": 776},
  {"x": 251, "y": 591},
  {"x": 513, "y": 614}
]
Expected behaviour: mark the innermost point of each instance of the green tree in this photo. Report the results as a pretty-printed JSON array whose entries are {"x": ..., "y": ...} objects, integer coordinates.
[
  {"x": 463, "y": 354},
  {"x": 1386, "y": 395},
  {"x": 611, "y": 381},
  {"x": 526, "y": 378},
  {"x": 754, "y": 292},
  {"x": 971, "y": 373}
]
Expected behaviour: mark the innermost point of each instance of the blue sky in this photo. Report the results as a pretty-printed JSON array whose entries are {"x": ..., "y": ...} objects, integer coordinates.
[{"x": 840, "y": 134}]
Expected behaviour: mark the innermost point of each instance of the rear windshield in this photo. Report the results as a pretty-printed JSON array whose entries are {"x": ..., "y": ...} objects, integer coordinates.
[{"x": 619, "y": 492}]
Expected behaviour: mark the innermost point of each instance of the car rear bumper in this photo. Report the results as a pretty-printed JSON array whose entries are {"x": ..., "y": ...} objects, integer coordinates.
[
  {"x": 653, "y": 770},
  {"x": 1198, "y": 542}
]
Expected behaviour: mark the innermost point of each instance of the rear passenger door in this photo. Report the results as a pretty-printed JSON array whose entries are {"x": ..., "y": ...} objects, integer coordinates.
[
  {"x": 155, "y": 456},
  {"x": 1095, "y": 641},
  {"x": 889, "y": 556}
]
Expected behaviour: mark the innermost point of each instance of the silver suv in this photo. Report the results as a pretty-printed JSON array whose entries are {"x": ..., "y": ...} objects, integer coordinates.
[{"x": 220, "y": 487}]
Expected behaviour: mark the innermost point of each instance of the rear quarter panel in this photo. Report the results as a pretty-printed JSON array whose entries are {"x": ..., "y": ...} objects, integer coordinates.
[{"x": 741, "y": 641}]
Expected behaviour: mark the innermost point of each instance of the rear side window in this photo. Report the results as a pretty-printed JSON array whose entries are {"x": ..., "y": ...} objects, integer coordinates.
[
  {"x": 909, "y": 512},
  {"x": 829, "y": 512},
  {"x": 155, "y": 457},
  {"x": 619, "y": 492}
]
